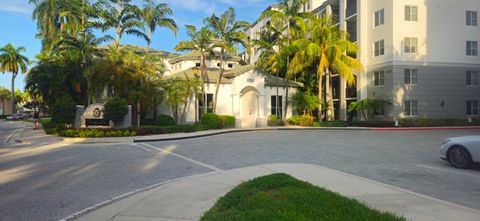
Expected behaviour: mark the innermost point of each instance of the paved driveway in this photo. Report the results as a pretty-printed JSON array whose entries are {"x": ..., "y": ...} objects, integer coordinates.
[
  {"x": 50, "y": 182},
  {"x": 408, "y": 160}
]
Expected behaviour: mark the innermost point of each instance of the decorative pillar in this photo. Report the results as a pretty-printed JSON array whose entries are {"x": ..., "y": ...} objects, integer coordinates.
[
  {"x": 261, "y": 119},
  {"x": 343, "y": 84},
  {"x": 236, "y": 110}
]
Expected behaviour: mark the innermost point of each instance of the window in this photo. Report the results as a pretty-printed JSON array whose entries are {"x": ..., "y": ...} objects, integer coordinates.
[
  {"x": 411, "y": 108},
  {"x": 472, "y": 48},
  {"x": 230, "y": 65},
  {"x": 472, "y": 78},
  {"x": 471, "y": 18},
  {"x": 379, "y": 48},
  {"x": 379, "y": 17},
  {"x": 411, "y": 13},
  {"x": 218, "y": 64},
  {"x": 411, "y": 76},
  {"x": 276, "y": 107},
  {"x": 379, "y": 78},
  {"x": 197, "y": 65},
  {"x": 307, "y": 5},
  {"x": 209, "y": 99},
  {"x": 410, "y": 45},
  {"x": 472, "y": 108}
]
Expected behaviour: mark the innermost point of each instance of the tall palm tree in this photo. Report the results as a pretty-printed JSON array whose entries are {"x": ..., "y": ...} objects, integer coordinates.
[
  {"x": 324, "y": 47},
  {"x": 156, "y": 15},
  {"x": 201, "y": 41},
  {"x": 287, "y": 14},
  {"x": 12, "y": 60},
  {"x": 55, "y": 17},
  {"x": 123, "y": 17},
  {"x": 228, "y": 32},
  {"x": 4, "y": 96}
]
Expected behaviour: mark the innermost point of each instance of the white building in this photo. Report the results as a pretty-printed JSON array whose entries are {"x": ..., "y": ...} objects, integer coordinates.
[
  {"x": 245, "y": 92},
  {"x": 421, "y": 55}
]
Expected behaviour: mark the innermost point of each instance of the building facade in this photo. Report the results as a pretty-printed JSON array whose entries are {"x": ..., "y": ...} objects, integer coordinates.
[
  {"x": 245, "y": 92},
  {"x": 419, "y": 55}
]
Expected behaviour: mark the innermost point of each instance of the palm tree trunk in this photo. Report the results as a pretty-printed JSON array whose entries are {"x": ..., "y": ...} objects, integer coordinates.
[
  {"x": 331, "y": 109},
  {"x": 277, "y": 101},
  {"x": 204, "y": 73},
  {"x": 218, "y": 82},
  {"x": 149, "y": 39},
  {"x": 329, "y": 96},
  {"x": 12, "y": 98},
  {"x": 320, "y": 97}
]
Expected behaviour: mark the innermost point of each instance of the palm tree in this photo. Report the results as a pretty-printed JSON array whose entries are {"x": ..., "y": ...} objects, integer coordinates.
[
  {"x": 200, "y": 41},
  {"x": 55, "y": 17},
  {"x": 324, "y": 46},
  {"x": 123, "y": 17},
  {"x": 229, "y": 32},
  {"x": 12, "y": 60},
  {"x": 155, "y": 15},
  {"x": 4, "y": 96}
]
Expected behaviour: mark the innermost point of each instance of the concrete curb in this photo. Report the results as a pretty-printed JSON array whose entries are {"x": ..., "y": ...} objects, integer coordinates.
[{"x": 214, "y": 133}]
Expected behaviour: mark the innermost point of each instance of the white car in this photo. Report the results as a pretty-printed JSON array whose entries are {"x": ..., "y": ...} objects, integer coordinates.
[{"x": 461, "y": 152}]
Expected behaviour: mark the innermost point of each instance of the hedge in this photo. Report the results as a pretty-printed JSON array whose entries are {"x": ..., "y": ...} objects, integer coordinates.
[
  {"x": 85, "y": 133},
  {"x": 227, "y": 121},
  {"x": 301, "y": 120},
  {"x": 152, "y": 130},
  {"x": 371, "y": 124},
  {"x": 274, "y": 120},
  {"x": 211, "y": 121},
  {"x": 431, "y": 122},
  {"x": 165, "y": 120}
]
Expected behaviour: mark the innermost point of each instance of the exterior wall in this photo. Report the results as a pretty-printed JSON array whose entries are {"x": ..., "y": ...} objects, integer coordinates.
[
  {"x": 441, "y": 91},
  {"x": 230, "y": 99},
  {"x": 187, "y": 64},
  {"x": 8, "y": 108}
]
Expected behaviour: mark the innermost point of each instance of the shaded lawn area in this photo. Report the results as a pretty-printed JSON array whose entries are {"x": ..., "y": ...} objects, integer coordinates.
[{"x": 281, "y": 197}]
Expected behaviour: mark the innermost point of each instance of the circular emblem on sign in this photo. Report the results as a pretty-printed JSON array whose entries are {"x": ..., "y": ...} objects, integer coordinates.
[{"x": 97, "y": 112}]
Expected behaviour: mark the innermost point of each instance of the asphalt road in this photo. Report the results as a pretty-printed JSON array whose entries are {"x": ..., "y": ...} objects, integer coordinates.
[
  {"x": 53, "y": 181},
  {"x": 6, "y": 129}
]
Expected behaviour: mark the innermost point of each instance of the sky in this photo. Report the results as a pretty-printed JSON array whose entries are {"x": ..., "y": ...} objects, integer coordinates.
[{"x": 18, "y": 28}]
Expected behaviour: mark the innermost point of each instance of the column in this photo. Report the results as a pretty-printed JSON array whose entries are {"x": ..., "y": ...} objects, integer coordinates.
[
  {"x": 261, "y": 119},
  {"x": 236, "y": 110},
  {"x": 343, "y": 84}
]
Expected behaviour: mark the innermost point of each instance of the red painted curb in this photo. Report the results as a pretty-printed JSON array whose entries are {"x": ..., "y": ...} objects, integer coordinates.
[{"x": 424, "y": 128}]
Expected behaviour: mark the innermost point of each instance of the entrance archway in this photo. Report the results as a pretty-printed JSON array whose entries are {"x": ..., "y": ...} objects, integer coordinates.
[{"x": 249, "y": 107}]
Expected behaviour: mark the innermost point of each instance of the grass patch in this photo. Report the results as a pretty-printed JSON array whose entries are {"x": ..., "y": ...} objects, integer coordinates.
[{"x": 281, "y": 197}]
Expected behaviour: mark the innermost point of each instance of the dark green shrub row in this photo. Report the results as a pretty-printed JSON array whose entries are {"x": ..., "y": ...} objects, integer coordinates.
[
  {"x": 430, "y": 122},
  {"x": 85, "y": 133},
  {"x": 3, "y": 116},
  {"x": 301, "y": 120},
  {"x": 372, "y": 124},
  {"x": 152, "y": 130},
  {"x": 331, "y": 124},
  {"x": 51, "y": 127},
  {"x": 274, "y": 120},
  {"x": 211, "y": 121}
]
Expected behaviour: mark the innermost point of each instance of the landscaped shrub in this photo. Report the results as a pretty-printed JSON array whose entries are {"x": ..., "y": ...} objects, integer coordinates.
[
  {"x": 63, "y": 110},
  {"x": 429, "y": 122},
  {"x": 164, "y": 120},
  {"x": 274, "y": 120},
  {"x": 152, "y": 130},
  {"x": 211, "y": 121},
  {"x": 92, "y": 133},
  {"x": 227, "y": 121},
  {"x": 115, "y": 109},
  {"x": 372, "y": 124},
  {"x": 301, "y": 120},
  {"x": 333, "y": 124}
]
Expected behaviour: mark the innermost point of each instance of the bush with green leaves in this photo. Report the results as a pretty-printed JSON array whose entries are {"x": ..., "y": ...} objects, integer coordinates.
[
  {"x": 92, "y": 133},
  {"x": 433, "y": 122},
  {"x": 301, "y": 120},
  {"x": 165, "y": 120},
  {"x": 274, "y": 120},
  {"x": 227, "y": 121},
  {"x": 115, "y": 109},
  {"x": 211, "y": 121},
  {"x": 152, "y": 130},
  {"x": 63, "y": 110}
]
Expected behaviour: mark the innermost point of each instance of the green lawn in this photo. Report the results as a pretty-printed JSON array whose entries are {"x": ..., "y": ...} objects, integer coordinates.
[{"x": 280, "y": 197}]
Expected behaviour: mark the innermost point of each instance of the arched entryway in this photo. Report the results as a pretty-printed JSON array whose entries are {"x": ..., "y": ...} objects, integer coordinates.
[{"x": 249, "y": 107}]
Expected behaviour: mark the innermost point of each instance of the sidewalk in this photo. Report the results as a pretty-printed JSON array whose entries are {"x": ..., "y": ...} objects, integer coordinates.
[{"x": 190, "y": 197}]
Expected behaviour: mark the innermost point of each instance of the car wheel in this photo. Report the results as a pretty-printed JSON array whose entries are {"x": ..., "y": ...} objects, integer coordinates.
[{"x": 459, "y": 157}]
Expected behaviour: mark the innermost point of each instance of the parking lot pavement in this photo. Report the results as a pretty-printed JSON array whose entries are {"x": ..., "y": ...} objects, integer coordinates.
[
  {"x": 53, "y": 181},
  {"x": 407, "y": 159}
]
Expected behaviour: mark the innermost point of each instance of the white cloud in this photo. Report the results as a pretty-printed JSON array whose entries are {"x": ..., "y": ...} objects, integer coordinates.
[{"x": 16, "y": 6}]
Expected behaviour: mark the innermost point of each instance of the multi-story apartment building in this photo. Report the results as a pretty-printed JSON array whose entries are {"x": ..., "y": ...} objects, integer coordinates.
[{"x": 420, "y": 55}]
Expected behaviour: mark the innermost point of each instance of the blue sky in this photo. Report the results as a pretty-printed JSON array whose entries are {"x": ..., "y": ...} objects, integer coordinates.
[{"x": 18, "y": 28}]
